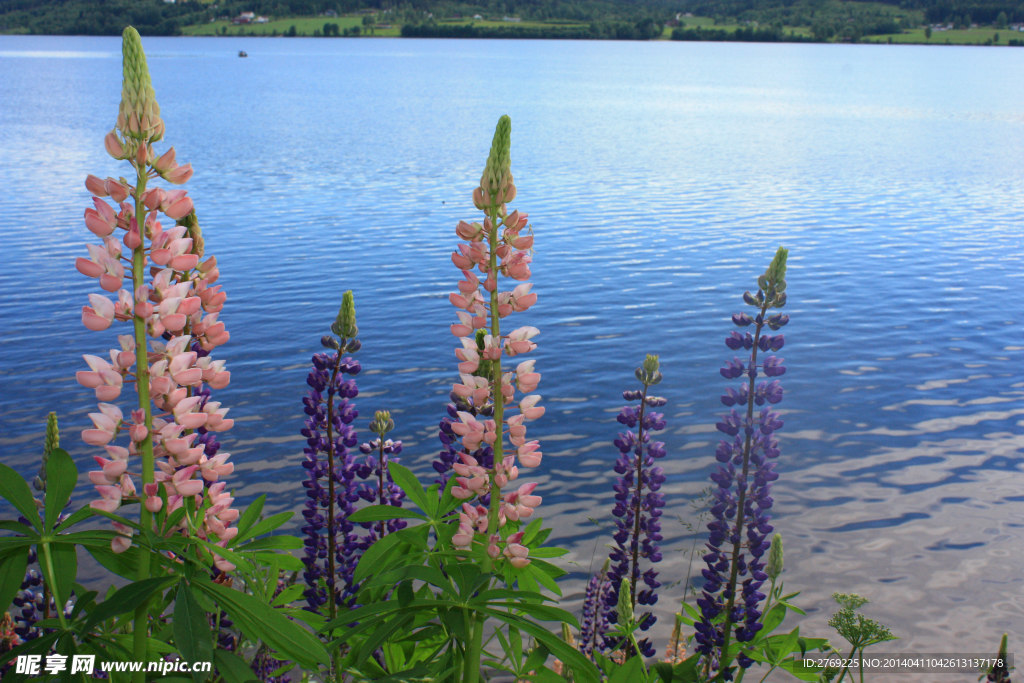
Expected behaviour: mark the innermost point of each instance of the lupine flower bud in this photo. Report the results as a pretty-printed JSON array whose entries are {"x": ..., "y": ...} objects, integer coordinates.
[
  {"x": 774, "y": 567},
  {"x": 648, "y": 373},
  {"x": 496, "y": 181},
  {"x": 139, "y": 115},
  {"x": 345, "y": 324},
  {"x": 382, "y": 423}
]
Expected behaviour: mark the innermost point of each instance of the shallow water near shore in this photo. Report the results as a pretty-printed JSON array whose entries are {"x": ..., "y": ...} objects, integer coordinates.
[{"x": 660, "y": 178}]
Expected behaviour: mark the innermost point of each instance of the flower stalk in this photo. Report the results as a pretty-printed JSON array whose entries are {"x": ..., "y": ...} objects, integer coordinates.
[{"x": 739, "y": 530}]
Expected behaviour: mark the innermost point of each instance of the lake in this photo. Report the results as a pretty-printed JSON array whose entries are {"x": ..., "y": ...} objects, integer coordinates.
[{"x": 660, "y": 178}]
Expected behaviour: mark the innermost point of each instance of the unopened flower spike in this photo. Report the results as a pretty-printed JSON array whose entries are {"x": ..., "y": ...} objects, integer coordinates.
[
  {"x": 52, "y": 443},
  {"x": 496, "y": 184},
  {"x": 382, "y": 423},
  {"x": 139, "y": 115},
  {"x": 345, "y": 324},
  {"x": 774, "y": 566}
]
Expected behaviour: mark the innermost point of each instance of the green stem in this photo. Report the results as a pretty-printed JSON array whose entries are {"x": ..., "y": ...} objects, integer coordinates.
[
  {"x": 332, "y": 547},
  {"x": 140, "y": 633},
  {"x": 51, "y": 580},
  {"x": 471, "y": 663},
  {"x": 496, "y": 395},
  {"x": 842, "y": 674}
]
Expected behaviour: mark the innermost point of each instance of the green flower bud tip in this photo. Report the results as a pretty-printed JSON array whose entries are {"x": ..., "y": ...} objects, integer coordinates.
[
  {"x": 776, "y": 272},
  {"x": 625, "y": 604},
  {"x": 648, "y": 372},
  {"x": 139, "y": 114},
  {"x": 382, "y": 423},
  {"x": 52, "y": 434},
  {"x": 345, "y": 324},
  {"x": 497, "y": 173},
  {"x": 774, "y": 567}
]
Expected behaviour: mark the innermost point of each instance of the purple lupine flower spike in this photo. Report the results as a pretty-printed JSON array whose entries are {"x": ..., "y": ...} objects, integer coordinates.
[
  {"x": 739, "y": 530},
  {"x": 330, "y": 543},
  {"x": 637, "y": 510}
]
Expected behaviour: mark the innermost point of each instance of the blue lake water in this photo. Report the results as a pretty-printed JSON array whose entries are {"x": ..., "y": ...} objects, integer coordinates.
[{"x": 660, "y": 178}]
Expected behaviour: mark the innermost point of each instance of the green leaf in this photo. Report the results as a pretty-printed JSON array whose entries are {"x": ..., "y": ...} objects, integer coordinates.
[
  {"x": 408, "y": 482},
  {"x": 231, "y": 667},
  {"x": 271, "y": 543},
  {"x": 259, "y": 620},
  {"x": 124, "y": 564},
  {"x": 800, "y": 670},
  {"x": 379, "y": 556},
  {"x": 773, "y": 618},
  {"x": 547, "y": 552},
  {"x": 61, "y": 477},
  {"x": 376, "y": 513},
  {"x": 435, "y": 577},
  {"x": 127, "y": 598},
  {"x": 74, "y": 518},
  {"x": 539, "y": 612},
  {"x": 191, "y": 628},
  {"x": 16, "y": 527},
  {"x": 12, "y": 573},
  {"x": 288, "y": 595},
  {"x": 250, "y": 515},
  {"x": 786, "y": 645},
  {"x": 65, "y": 569},
  {"x": 582, "y": 667},
  {"x": 265, "y": 526},
  {"x": 630, "y": 672},
  {"x": 17, "y": 492}
]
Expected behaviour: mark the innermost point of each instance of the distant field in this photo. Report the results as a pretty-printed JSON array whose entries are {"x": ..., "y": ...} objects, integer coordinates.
[
  {"x": 304, "y": 26},
  {"x": 491, "y": 23},
  {"x": 967, "y": 36},
  {"x": 313, "y": 26}
]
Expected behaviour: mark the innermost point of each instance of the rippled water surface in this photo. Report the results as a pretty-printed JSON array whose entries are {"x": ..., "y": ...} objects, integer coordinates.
[{"x": 659, "y": 179}]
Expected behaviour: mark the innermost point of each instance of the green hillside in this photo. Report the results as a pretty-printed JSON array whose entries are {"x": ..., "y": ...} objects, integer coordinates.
[{"x": 925, "y": 21}]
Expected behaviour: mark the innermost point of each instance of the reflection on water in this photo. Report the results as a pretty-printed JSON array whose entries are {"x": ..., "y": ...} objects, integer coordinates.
[{"x": 659, "y": 179}]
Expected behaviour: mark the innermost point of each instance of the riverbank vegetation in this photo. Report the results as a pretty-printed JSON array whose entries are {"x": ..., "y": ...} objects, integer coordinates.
[{"x": 935, "y": 22}]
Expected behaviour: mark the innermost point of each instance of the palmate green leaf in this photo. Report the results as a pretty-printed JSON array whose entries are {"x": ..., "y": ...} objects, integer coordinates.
[
  {"x": 773, "y": 618},
  {"x": 404, "y": 547},
  {"x": 127, "y": 598},
  {"x": 431, "y": 575},
  {"x": 376, "y": 513},
  {"x": 583, "y": 669},
  {"x": 191, "y": 629},
  {"x": 630, "y": 672},
  {"x": 61, "y": 477},
  {"x": 16, "y": 527},
  {"x": 125, "y": 565},
  {"x": 408, "y": 482},
  {"x": 249, "y": 516},
  {"x": 541, "y": 612},
  {"x": 12, "y": 573},
  {"x": 271, "y": 543},
  {"x": 799, "y": 670},
  {"x": 366, "y": 616},
  {"x": 74, "y": 518},
  {"x": 381, "y": 635},
  {"x": 265, "y": 526},
  {"x": 232, "y": 667},
  {"x": 258, "y": 620},
  {"x": 16, "y": 491}
]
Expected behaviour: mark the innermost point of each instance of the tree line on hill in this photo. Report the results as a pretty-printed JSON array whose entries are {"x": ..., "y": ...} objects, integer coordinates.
[{"x": 761, "y": 20}]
